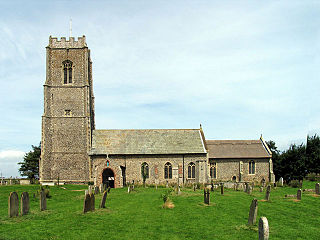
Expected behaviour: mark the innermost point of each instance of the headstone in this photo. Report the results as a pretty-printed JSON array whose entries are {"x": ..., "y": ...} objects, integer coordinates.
[
  {"x": 179, "y": 191},
  {"x": 103, "y": 200},
  {"x": 253, "y": 212},
  {"x": 167, "y": 184},
  {"x": 25, "y": 203},
  {"x": 245, "y": 189},
  {"x": 129, "y": 189},
  {"x": 90, "y": 189},
  {"x": 317, "y": 188},
  {"x": 237, "y": 186},
  {"x": 267, "y": 198},
  {"x": 194, "y": 187},
  {"x": 249, "y": 190},
  {"x": 13, "y": 204},
  {"x": 43, "y": 200},
  {"x": 86, "y": 192},
  {"x": 263, "y": 229},
  {"x": 263, "y": 182},
  {"x": 92, "y": 201},
  {"x": 299, "y": 193},
  {"x": 101, "y": 188},
  {"x": 10, "y": 182},
  {"x": 222, "y": 189},
  {"x": 281, "y": 182},
  {"x": 96, "y": 190},
  {"x": 208, "y": 197},
  {"x": 87, "y": 203},
  {"x": 261, "y": 189}
]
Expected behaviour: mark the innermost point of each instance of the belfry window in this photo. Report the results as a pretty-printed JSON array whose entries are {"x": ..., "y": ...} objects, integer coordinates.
[
  {"x": 213, "y": 170},
  {"x": 168, "y": 171},
  {"x": 191, "y": 170},
  {"x": 252, "y": 167},
  {"x": 67, "y": 72}
]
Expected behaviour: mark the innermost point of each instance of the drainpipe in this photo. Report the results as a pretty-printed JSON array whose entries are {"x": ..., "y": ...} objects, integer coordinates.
[{"x": 183, "y": 169}]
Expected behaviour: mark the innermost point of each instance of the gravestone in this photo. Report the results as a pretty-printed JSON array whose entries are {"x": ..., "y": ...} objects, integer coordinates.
[
  {"x": 249, "y": 190},
  {"x": 317, "y": 188},
  {"x": 222, "y": 189},
  {"x": 267, "y": 198},
  {"x": 101, "y": 188},
  {"x": 179, "y": 191},
  {"x": 253, "y": 212},
  {"x": 43, "y": 200},
  {"x": 129, "y": 189},
  {"x": 263, "y": 182},
  {"x": 263, "y": 229},
  {"x": 96, "y": 190},
  {"x": 206, "y": 196},
  {"x": 281, "y": 182},
  {"x": 13, "y": 205},
  {"x": 103, "y": 200},
  {"x": 167, "y": 184},
  {"x": 25, "y": 203},
  {"x": 194, "y": 187},
  {"x": 90, "y": 189},
  {"x": 261, "y": 189},
  {"x": 92, "y": 202},
  {"x": 86, "y": 192},
  {"x": 87, "y": 203},
  {"x": 299, "y": 193}
]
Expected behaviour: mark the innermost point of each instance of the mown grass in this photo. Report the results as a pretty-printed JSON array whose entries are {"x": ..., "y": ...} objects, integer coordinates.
[{"x": 139, "y": 215}]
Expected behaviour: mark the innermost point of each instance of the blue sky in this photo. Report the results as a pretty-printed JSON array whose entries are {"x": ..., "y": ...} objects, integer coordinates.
[{"x": 240, "y": 68}]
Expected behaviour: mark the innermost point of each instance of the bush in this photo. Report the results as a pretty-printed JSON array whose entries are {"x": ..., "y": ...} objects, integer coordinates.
[
  {"x": 295, "y": 183},
  {"x": 165, "y": 195},
  {"x": 46, "y": 191},
  {"x": 313, "y": 177}
]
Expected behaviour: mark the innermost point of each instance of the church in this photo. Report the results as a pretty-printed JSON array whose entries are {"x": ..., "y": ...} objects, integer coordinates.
[{"x": 73, "y": 151}]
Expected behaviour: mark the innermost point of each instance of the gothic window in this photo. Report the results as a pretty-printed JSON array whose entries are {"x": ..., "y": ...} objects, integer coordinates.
[
  {"x": 213, "y": 170},
  {"x": 191, "y": 170},
  {"x": 252, "y": 167},
  {"x": 145, "y": 169},
  {"x": 67, "y": 72},
  {"x": 168, "y": 171}
]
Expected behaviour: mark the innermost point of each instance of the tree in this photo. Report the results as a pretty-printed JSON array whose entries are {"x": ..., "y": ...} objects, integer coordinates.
[
  {"x": 30, "y": 165},
  {"x": 276, "y": 159},
  {"x": 313, "y": 154}
]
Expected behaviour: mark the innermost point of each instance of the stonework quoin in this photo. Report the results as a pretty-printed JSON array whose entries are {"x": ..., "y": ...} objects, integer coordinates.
[
  {"x": 317, "y": 188},
  {"x": 103, "y": 200},
  {"x": 253, "y": 212},
  {"x": 13, "y": 205},
  {"x": 87, "y": 203},
  {"x": 299, "y": 193},
  {"x": 43, "y": 200},
  {"x": 267, "y": 197},
  {"x": 25, "y": 203},
  {"x": 263, "y": 229}
]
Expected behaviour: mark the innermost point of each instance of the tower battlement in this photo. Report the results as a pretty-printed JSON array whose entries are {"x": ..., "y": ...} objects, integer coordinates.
[{"x": 54, "y": 42}]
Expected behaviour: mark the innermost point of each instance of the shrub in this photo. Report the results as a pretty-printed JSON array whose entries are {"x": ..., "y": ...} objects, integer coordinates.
[
  {"x": 295, "y": 183},
  {"x": 46, "y": 191},
  {"x": 166, "y": 194}
]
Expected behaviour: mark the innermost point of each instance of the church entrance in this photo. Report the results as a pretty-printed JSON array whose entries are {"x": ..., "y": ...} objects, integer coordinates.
[{"x": 108, "y": 177}]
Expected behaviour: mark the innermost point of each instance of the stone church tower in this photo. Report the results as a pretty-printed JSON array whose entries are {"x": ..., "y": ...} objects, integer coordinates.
[{"x": 68, "y": 118}]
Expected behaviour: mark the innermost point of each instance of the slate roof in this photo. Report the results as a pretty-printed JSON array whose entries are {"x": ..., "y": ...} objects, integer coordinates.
[
  {"x": 237, "y": 149},
  {"x": 147, "y": 141}
]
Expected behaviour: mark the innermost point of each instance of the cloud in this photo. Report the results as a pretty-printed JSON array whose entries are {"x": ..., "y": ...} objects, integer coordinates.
[{"x": 9, "y": 162}]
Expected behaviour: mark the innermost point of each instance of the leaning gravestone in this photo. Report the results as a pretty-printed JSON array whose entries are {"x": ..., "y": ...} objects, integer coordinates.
[
  {"x": 87, "y": 203},
  {"x": 92, "y": 202},
  {"x": 25, "y": 203},
  {"x": 267, "y": 198},
  {"x": 13, "y": 204},
  {"x": 317, "y": 188},
  {"x": 253, "y": 212},
  {"x": 263, "y": 229},
  {"x": 103, "y": 200},
  {"x": 43, "y": 200},
  {"x": 299, "y": 193}
]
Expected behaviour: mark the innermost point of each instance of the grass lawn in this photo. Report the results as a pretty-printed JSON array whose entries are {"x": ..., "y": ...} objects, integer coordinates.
[{"x": 139, "y": 215}]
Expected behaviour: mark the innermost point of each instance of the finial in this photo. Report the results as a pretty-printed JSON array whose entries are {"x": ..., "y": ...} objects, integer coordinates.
[
  {"x": 70, "y": 27},
  {"x": 200, "y": 126}
]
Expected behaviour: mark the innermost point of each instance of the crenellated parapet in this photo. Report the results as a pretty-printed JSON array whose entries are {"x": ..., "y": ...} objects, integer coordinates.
[{"x": 54, "y": 42}]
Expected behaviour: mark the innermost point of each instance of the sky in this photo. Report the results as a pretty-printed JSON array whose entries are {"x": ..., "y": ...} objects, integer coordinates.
[{"x": 239, "y": 68}]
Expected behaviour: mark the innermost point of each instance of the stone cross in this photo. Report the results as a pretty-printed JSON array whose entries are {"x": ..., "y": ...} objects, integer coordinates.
[
  {"x": 263, "y": 229},
  {"x": 267, "y": 198},
  {"x": 222, "y": 189},
  {"x": 253, "y": 212},
  {"x": 13, "y": 205},
  {"x": 299, "y": 193},
  {"x": 25, "y": 203},
  {"x": 92, "y": 201},
  {"x": 103, "y": 199},
  {"x": 317, "y": 188},
  {"x": 43, "y": 200},
  {"x": 281, "y": 182},
  {"x": 86, "y": 203}
]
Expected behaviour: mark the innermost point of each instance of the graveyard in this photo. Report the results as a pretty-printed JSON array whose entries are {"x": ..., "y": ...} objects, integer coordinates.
[{"x": 140, "y": 213}]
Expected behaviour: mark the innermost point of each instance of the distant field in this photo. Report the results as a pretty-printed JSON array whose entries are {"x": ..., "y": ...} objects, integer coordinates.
[{"x": 139, "y": 215}]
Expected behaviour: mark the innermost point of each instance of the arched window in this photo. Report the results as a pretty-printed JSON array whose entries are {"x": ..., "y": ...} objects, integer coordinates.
[
  {"x": 252, "y": 167},
  {"x": 145, "y": 170},
  {"x": 191, "y": 170},
  {"x": 213, "y": 170},
  {"x": 67, "y": 72},
  {"x": 168, "y": 171}
]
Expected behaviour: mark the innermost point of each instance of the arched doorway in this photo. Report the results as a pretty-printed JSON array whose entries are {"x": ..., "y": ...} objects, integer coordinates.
[{"x": 108, "y": 177}]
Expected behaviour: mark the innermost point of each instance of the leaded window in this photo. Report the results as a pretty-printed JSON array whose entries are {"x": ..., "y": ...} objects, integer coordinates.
[
  {"x": 252, "y": 167},
  {"x": 145, "y": 170},
  {"x": 213, "y": 170},
  {"x": 168, "y": 171},
  {"x": 67, "y": 72},
  {"x": 191, "y": 170}
]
